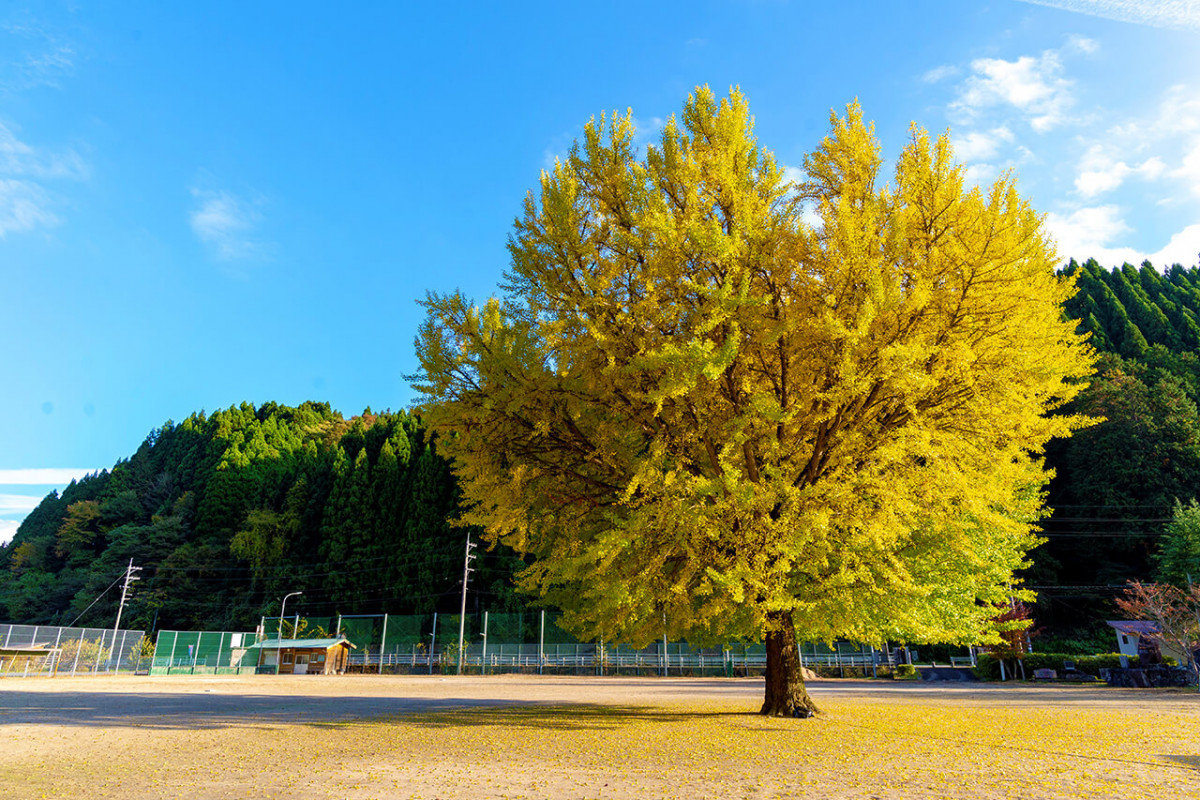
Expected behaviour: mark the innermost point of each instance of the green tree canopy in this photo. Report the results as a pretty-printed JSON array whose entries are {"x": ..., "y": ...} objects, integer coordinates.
[{"x": 1178, "y": 559}]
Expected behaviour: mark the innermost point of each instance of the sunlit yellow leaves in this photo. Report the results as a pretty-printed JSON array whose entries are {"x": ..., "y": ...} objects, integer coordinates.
[
  {"x": 1033, "y": 742},
  {"x": 696, "y": 405}
]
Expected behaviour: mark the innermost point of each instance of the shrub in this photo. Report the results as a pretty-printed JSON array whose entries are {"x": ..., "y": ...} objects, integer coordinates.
[
  {"x": 905, "y": 672},
  {"x": 988, "y": 666}
]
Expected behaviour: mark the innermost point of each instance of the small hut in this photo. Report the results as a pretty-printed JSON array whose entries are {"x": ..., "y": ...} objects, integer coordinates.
[
  {"x": 302, "y": 656},
  {"x": 1140, "y": 638}
]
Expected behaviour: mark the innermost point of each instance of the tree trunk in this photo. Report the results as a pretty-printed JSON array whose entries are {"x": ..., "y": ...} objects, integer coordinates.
[{"x": 786, "y": 695}]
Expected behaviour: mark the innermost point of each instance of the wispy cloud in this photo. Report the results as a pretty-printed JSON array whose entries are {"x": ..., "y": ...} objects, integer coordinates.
[
  {"x": 1155, "y": 13},
  {"x": 25, "y": 202},
  {"x": 940, "y": 73},
  {"x": 18, "y": 503},
  {"x": 8, "y": 529},
  {"x": 36, "y": 56},
  {"x": 49, "y": 476},
  {"x": 23, "y": 206},
  {"x": 226, "y": 223},
  {"x": 19, "y": 158}
]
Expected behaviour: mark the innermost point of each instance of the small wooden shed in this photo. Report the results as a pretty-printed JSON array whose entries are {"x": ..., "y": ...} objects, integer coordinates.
[
  {"x": 1140, "y": 638},
  {"x": 302, "y": 656}
]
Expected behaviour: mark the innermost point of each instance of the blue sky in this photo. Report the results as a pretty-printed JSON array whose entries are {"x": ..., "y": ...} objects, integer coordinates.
[{"x": 204, "y": 204}]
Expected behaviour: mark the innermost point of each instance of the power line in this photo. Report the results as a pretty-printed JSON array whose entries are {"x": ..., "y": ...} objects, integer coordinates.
[{"x": 111, "y": 585}]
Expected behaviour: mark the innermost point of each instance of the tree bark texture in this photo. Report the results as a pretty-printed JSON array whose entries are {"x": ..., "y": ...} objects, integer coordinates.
[{"x": 785, "y": 693}]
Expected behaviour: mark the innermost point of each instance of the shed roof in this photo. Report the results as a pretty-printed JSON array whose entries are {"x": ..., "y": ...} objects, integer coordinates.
[
  {"x": 300, "y": 644},
  {"x": 33, "y": 650},
  {"x": 1134, "y": 627}
]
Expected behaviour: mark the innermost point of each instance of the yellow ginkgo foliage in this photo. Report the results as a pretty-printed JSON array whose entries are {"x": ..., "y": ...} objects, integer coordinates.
[{"x": 713, "y": 402}]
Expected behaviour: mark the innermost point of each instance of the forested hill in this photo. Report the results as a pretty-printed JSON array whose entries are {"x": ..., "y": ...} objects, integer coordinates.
[
  {"x": 227, "y": 513},
  {"x": 1118, "y": 482},
  {"x": 1129, "y": 310}
]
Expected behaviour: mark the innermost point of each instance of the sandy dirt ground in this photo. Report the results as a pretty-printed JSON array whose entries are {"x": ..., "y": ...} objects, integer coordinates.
[{"x": 586, "y": 737}]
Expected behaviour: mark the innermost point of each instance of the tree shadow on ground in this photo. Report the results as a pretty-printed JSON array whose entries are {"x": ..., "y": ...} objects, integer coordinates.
[
  {"x": 568, "y": 717},
  {"x": 210, "y": 710}
]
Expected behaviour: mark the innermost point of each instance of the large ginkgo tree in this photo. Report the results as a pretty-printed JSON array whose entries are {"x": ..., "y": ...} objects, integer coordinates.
[{"x": 713, "y": 402}]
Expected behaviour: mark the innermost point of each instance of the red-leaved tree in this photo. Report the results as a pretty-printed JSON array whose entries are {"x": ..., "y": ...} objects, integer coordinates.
[{"x": 1176, "y": 613}]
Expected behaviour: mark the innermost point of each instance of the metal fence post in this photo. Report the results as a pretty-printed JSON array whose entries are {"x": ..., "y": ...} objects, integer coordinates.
[
  {"x": 542, "y": 643},
  {"x": 432, "y": 642},
  {"x": 78, "y": 649},
  {"x": 483, "y": 654},
  {"x": 100, "y": 651},
  {"x": 383, "y": 643}
]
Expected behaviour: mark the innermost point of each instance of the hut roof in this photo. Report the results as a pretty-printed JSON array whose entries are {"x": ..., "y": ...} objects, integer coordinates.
[
  {"x": 1134, "y": 627},
  {"x": 300, "y": 644}
]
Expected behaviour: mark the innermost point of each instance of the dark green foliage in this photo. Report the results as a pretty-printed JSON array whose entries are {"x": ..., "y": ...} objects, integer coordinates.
[
  {"x": 1117, "y": 483},
  {"x": 1130, "y": 309},
  {"x": 1178, "y": 560},
  {"x": 227, "y": 513}
]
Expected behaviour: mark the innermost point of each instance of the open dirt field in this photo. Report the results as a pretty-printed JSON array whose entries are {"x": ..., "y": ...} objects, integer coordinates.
[{"x": 580, "y": 737}]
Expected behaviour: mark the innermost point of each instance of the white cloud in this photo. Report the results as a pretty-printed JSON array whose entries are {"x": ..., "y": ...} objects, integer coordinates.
[
  {"x": 1163, "y": 145},
  {"x": 42, "y": 477},
  {"x": 1189, "y": 168},
  {"x": 1082, "y": 44},
  {"x": 793, "y": 174},
  {"x": 1032, "y": 85},
  {"x": 647, "y": 132},
  {"x": 981, "y": 145},
  {"x": 18, "y": 503},
  {"x": 8, "y": 529},
  {"x": 1155, "y": 13},
  {"x": 982, "y": 173},
  {"x": 1097, "y": 225},
  {"x": 226, "y": 223},
  {"x": 1089, "y": 233},
  {"x": 1100, "y": 171}
]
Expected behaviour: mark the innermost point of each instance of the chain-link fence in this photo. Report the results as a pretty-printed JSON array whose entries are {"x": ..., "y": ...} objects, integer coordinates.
[
  {"x": 515, "y": 642},
  {"x": 204, "y": 652},
  {"x": 32, "y": 650},
  {"x": 532, "y": 641}
]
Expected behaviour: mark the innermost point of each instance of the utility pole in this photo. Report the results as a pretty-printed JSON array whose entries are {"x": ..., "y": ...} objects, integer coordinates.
[
  {"x": 129, "y": 578},
  {"x": 1196, "y": 671},
  {"x": 462, "y": 614}
]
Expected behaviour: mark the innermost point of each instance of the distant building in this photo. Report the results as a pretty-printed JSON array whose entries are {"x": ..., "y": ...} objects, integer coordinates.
[
  {"x": 302, "y": 656},
  {"x": 1140, "y": 638}
]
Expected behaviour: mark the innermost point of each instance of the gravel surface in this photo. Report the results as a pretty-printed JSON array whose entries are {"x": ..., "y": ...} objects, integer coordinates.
[{"x": 557, "y": 736}]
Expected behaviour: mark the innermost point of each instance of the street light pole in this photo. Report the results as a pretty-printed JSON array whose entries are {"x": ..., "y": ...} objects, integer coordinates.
[{"x": 279, "y": 633}]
